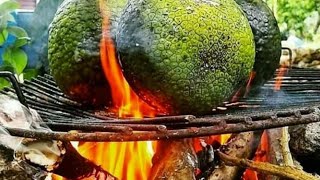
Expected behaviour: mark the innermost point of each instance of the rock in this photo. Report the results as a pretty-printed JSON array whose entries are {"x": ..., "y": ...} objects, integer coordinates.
[
  {"x": 315, "y": 63},
  {"x": 305, "y": 145},
  {"x": 301, "y": 58}
]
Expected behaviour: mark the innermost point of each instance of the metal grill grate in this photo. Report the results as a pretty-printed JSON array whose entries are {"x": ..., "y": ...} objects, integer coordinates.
[{"x": 296, "y": 103}]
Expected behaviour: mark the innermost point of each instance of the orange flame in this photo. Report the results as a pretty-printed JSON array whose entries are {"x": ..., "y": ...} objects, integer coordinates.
[
  {"x": 125, "y": 160},
  {"x": 260, "y": 156},
  {"x": 124, "y": 98},
  {"x": 239, "y": 93},
  {"x": 282, "y": 71},
  {"x": 248, "y": 86}
]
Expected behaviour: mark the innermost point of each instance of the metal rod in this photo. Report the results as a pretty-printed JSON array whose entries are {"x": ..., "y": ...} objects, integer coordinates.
[
  {"x": 290, "y": 54},
  {"x": 16, "y": 86}
]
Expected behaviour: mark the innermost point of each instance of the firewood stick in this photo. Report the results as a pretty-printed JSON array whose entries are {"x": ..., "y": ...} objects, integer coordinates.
[
  {"x": 174, "y": 160},
  {"x": 243, "y": 145},
  {"x": 62, "y": 159},
  {"x": 267, "y": 168},
  {"x": 284, "y": 143}
]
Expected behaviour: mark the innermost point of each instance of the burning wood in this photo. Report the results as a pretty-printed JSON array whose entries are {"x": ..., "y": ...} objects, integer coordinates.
[
  {"x": 62, "y": 159},
  {"x": 174, "y": 160},
  {"x": 243, "y": 145}
]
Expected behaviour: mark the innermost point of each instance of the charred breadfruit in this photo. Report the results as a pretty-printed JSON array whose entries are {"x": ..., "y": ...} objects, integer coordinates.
[
  {"x": 74, "y": 49},
  {"x": 267, "y": 38},
  {"x": 187, "y": 55}
]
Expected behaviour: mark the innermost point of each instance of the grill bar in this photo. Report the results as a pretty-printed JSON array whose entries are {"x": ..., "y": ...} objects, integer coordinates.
[
  {"x": 222, "y": 128},
  {"x": 262, "y": 109}
]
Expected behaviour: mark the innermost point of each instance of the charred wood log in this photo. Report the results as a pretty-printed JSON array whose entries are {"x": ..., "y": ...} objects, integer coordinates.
[
  {"x": 61, "y": 159},
  {"x": 274, "y": 150},
  {"x": 243, "y": 145},
  {"x": 174, "y": 160}
]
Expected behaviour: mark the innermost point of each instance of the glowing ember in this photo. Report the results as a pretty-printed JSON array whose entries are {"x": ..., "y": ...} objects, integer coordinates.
[
  {"x": 282, "y": 71},
  {"x": 221, "y": 139}
]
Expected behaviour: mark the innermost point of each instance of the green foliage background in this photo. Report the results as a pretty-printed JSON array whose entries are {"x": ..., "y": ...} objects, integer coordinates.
[
  {"x": 13, "y": 56},
  {"x": 298, "y": 17}
]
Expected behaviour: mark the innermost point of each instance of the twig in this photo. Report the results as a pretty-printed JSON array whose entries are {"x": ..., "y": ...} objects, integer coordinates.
[
  {"x": 267, "y": 168},
  {"x": 284, "y": 143}
]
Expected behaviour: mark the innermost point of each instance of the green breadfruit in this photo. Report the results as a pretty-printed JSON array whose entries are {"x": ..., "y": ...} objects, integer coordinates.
[
  {"x": 187, "y": 55},
  {"x": 74, "y": 49},
  {"x": 267, "y": 38}
]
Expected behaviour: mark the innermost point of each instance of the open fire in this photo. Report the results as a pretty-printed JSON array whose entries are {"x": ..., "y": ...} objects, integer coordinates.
[
  {"x": 137, "y": 160},
  {"x": 133, "y": 160},
  {"x": 125, "y": 160}
]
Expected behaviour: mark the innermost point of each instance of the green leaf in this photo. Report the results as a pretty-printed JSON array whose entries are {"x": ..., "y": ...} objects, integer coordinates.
[
  {"x": 17, "y": 32},
  {"x": 21, "y": 42},
  {"x": 5, "y": 18},
  {"x": 30, "y": 73},
  {"x": 20, "y": 58},
  {"x": 16, "y": 58},
  {"x": 7, "y": 68},
  {"x": 8, "y": 6},
  {"x": 4, "y": 83},
  {"x": 10, "y": 17},
  {"x": 3, "y": 36},
  {"x": 7, "y": 57}
]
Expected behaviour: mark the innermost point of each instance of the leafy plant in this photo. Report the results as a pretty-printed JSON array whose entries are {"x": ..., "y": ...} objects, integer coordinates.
[
  {"x": 12, "y": 39},
  {"x": 292, "y": 16}
]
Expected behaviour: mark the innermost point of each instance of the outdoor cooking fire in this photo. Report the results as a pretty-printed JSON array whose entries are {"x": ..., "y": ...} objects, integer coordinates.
[
  {"x": 129, "y": 160},
  {"x": 125, "y": 160},
  {"x": 157, "y": 89}
]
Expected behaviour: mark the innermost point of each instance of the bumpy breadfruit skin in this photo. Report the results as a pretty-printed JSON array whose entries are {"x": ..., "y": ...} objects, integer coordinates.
[
  {"x": 187, "y": 55},
  {"x": 74, "y": 49},
  {"x": 267, "y": 38}
]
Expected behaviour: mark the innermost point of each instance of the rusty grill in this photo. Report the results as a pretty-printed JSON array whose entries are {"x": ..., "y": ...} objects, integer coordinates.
[{"x": 296, "y": 103}]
